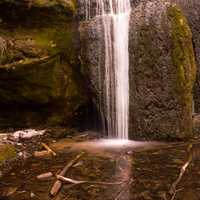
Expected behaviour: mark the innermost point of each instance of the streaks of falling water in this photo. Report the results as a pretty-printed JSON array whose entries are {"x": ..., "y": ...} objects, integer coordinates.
[{"x": 114, "y": 15}]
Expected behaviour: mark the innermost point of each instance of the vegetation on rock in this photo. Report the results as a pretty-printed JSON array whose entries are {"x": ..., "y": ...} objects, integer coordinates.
[
  {"x": 7, "y": 152},
  {"x": 182, "y": 51},
  {"x": 39, "y": 69},
  {"x": 183, "y": 58}
]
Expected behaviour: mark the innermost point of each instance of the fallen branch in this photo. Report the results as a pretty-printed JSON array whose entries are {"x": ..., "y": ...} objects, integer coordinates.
[
  {"x": 172, "y": 190},
  {"x": 25, "y": 62},
  {"x": 58, "y": 184},
  {"x": 124, "y": 189},
  {"x": 174, "y": 195},
  {"x": 69, "y": 180},
  {"x": 45, "y": 176},
  {"x": 48, "y": 149},
  {"x": 41, "y": 153}
]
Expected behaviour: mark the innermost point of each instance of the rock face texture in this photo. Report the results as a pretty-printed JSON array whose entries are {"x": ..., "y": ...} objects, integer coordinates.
[
  {"x": 162, "y": 72},
  {"x": 162, "y": 69},
  {"x": 40, "y": 81},
  {"x": 93, "y": 58},
  {"x": 44, "y": 81}
]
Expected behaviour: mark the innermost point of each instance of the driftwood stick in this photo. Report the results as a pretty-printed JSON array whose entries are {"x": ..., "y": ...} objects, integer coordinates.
[
  {"x": 41, "y": 153},
  {"x": 173, "y": 196},
  {"x": 69, "y": 180},
  {"x": 124, "y": 189},
  {"x": 48, "y": 149},
  {"x": 182, "y": 171},
  {"x": 58, "y": 184},
  {"x": 45, "y": 176},
  {"x": 25, "y": 62}
]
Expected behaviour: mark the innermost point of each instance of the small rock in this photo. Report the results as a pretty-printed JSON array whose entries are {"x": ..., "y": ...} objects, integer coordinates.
[
  {"x": 20, "y": 154},
  {"x": 130, "y": 152},
  {"x": 32, "y": 195},
  {"x": 24, "y": 155}
]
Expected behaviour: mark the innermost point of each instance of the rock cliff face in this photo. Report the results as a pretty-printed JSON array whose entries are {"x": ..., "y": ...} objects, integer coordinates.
[
  {"x": 40, "y": 80},
  {"x": 50, "y": 55},
  {"x": 162, "y": 69},
  {"x": 162, "y": 72}
]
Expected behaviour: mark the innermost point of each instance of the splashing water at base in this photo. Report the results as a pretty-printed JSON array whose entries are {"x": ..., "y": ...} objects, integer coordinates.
[
  {"x": 115, "y": 21},
  {"x": 114, "y": 142}
]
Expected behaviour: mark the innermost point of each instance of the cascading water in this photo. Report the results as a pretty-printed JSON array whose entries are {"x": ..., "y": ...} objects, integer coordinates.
[{"x": 114, "y": 15}]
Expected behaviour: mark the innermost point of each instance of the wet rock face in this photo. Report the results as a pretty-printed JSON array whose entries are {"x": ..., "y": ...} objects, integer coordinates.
[
  {"x": 40, "y": 78},
  {"x": 162, "y": 69},
  {"x": 40, "y": 81},
  {"x": 192, "y": 12},
  {"x": 162, "y": 72},
  {"x": 196, "y": 125}
]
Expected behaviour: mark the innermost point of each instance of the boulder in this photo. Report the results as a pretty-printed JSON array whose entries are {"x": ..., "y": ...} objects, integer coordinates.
[
  {"x": 7, "y": 152},
  {"x": 162, "y": 69},
  {"x": 162, "y": 72},
  {"x": 40, "y": 79}
]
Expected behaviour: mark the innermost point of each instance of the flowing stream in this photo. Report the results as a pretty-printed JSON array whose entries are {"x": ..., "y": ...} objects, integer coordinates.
[{"x": 114, "y": 15}]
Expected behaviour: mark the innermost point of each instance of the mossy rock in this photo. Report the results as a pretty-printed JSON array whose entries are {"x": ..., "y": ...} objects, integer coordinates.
[
  {"x": 183, "y": 58},
  {"x": 58, "y": 40},
  {"x": 182, "y": 52},
  {"x": 162, "y": 72},
  {"x": 48, "y": 76},
  {"x": 7, "y": 152},
  {"x": 69, "y": 5},
  {"x": 40, "y": 79}
]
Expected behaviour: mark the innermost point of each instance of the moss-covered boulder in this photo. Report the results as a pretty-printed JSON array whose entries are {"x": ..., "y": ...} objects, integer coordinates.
[
  {"x": 40, "y": 79},
  {"x": 68, "y": 5},
  {"x": 162, "y": 72},
  {"x": 7, "y": 152}
]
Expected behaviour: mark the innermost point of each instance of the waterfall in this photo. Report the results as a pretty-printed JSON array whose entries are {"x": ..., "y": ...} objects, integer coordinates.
[{"x": 114, "y": 15}]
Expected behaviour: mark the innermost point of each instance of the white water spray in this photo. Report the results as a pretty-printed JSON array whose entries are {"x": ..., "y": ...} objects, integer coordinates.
[{"x": 115, "y": 19}]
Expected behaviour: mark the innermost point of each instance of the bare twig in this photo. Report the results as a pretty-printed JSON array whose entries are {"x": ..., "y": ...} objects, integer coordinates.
[
  {"x": 173, "y": 196},
  {"x": 69, "y": 180},
  {"x": 25, "y": 62},
  {"x": 45, "y": 176},
  {"x": 48, "y": 149},
  {"x": 124, "y": 189},
  {"x": 41, "y": 153},
  {"x": 58, "y": 184},
  {"x": 175, "y": 193},
  {"x": 172, "y": 190}
]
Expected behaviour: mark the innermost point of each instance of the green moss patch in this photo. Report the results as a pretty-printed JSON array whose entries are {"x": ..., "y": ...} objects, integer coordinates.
[
  {"x": 57, "y": 41},
  {"x": 182, "y": 52},
  {"x": 7, "y": 152}
]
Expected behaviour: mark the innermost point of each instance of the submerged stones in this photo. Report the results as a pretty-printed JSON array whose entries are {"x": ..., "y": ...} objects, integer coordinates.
[{"x": 7, "y": 152}]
